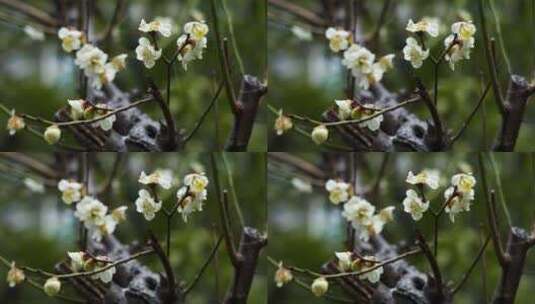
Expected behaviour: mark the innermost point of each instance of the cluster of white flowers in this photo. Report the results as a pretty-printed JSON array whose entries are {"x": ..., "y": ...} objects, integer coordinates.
[
  {"x": 339, "y": 191},
  {"x": 190, "y": 45},
  {"x": 89, "y": 210},
  {"x": 347, "y": 109},
  {"x": 458, "y": 196},
  {"x": 190, "y": 196},
  {"x": 82, "y": 261},
  {"x": 92, "y": 60},
  {"x": 192, "y": 42},
  {"x": 458, "y": 44},
  {"x": 363, "y": 218},
  {"x": 359, "y": 59},
  {"x": 94, "y": 214}
]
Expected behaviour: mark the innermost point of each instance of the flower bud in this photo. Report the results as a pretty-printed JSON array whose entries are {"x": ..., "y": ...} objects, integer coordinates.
[
  {"x": 52, "y": 134},
  {"x": 319, "y": 286},
  {"x": 52, "y": 286},
  {"x": 320, "y": 134}
]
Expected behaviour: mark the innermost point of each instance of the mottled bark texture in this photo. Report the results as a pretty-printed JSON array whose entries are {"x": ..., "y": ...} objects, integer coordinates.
[
  {"x": 249, "y": 98},
  {"x": 516, "y": 100},
  {"x": 251, "y": 243}
]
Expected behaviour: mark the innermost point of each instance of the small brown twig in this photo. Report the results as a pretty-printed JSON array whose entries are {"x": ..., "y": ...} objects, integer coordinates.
[{"x": 164, "y": 259}]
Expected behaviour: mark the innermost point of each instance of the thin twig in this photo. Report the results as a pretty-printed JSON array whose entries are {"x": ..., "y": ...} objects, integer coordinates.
[
  {"x": 469, "y": 119},
  {"x": 205, "y": 113},
  {"x": 204, "y": 266},
  {"x": 472, "y": 266},
  {"x": 432, "y": 262},
  {"x": 171, "y": 281},
  {"x": 489, "y": 198}
]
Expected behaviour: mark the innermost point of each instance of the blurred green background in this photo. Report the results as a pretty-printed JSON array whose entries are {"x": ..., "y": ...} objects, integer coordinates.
[
  {"x": 37, "y": 229},
  {"x": 38, "y": 77},
  {"x": 307, "y": 77},
  {"x": 306, "y": 229}
]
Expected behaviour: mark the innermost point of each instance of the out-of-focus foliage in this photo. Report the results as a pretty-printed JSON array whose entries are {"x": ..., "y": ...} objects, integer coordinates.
[
  {"x": 308, "y": 77},
  {"x": 306, "y": 229},
  {"x": 38, "y": 77},
  {"x": 38, "y": 229}
]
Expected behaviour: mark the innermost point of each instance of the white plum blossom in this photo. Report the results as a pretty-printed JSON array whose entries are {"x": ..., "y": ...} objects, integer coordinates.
[
  {"x": 465, "y": 30},
  {"x": 363, "y": 66},
  {"x": 460, "y": 195},
  {"x": 106, "y": 228},
  {"x": 368, "y": 262},
  {"x": 146, "y": 53},
  {"x": 189, "y": 202},
  {"x": 77, "y": 108},
  {"x": 70, "y": 191},
  {"x": 338, "y": 191},
  {"x": 70, "y": 39},
  {"x": 364, "y": 111},
  {"x": 338, "y": 39},
  {"x": 282, "y": 275},
  {"x": 458, "y": 203},
  {"x": 386, "y": 214},
  {"x": 414, "y": 205},
  {"x": 161, "y": 177},
  {"x": 119, "y": 214},
  {"x": 197, "y": 183},
  {"x": 105, "y": 124},
  {"x": 91, "y": 59},
  {"x": 426, "y": 25},
  {"x": 283, "y": 123},
  {"x": 464, "y": 182},
  {"x": 358, "y": 211},
  {"x": 52, "y": 134},
  {"x": 344, "y": 108},
  {"x": 77, "y": 260},
  {"x": 197, "y": 30},
  {"x": 119, "y": 62},
  {"x": 429, "y": 177},
  {"x": 146, "y": 205},
  {"x": 344, "y": 260},
  {"x": 190, "y": 50},
  {"x": 91, "y": 212},
  {"x": 15, "y": 123},
  {"x": 460, "y": 42},
  {"x": 105, "y": 276},
  {"x": 160, "y": 25},
  {"x": 414, "y": 53},
  {"x": 15, "y": 275},
  {"x": 358, "y": 59}
]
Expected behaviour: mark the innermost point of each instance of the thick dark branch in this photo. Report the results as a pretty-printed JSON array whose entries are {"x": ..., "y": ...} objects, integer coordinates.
[
  {"x": 251, "y": 243},
  {"x": 251, "y": 93},
  {"x": 437, "y": 292},
  {"x": 516, "y": 249},
  {"x": 171, "y": 294},
  {"x": 517, "y": 97}
]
